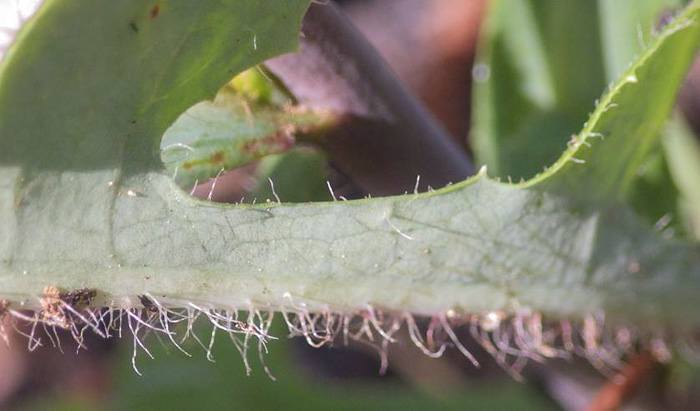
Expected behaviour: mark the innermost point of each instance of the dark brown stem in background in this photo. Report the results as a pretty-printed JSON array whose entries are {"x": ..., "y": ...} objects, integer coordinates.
[{"x": 386, "y": 138}]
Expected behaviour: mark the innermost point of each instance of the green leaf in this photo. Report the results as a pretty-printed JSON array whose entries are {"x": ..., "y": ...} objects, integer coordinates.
[
  {"x": 230, "y": 131},
  {"x": 626, "y": 27},
  {"x": 683, "y": 151},
  {"x": 84, "y": 202},
  {"x": 298, "y": 176},
  {"x": 633, "y": 133},
  {"x": 541, "y": 67}
]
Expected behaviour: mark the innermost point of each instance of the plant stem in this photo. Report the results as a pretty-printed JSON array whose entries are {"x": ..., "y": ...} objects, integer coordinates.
[{"x": 385, "y": 138}]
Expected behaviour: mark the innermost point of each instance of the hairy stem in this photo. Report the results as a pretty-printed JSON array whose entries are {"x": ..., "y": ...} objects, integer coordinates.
[{"x": 84, "y": 203}]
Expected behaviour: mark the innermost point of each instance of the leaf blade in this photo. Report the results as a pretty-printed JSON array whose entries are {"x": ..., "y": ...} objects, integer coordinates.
[{"x": 475, "y": 247}]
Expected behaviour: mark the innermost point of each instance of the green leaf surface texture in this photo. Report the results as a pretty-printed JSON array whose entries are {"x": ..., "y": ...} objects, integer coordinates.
[{"x": 87, "y": 91}]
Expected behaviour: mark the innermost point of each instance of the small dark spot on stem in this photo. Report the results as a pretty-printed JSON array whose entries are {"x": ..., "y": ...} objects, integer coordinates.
[
  {"x": 134, "y": 27},
  {"x": 60, "y": 309},
  {"x": 148, "y": 305},
  {"x": 80, "y": 298},
  {"x": 155, "y": 11},
  {"x": 665, "y": 19}
]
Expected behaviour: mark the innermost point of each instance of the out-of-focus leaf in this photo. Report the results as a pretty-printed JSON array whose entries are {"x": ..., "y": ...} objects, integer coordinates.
[
  {"x": 630, "y": 134},
  {"x": 298, "y": 176},
  {"x": 627, "y": 27},
  {"x": 233, "y": 129},
  {"x": 542, "y": 65},
  {"x": 258, "y": 85},
  {"x": 683, "y": 152},
  {"x": 655, "y": 198}
]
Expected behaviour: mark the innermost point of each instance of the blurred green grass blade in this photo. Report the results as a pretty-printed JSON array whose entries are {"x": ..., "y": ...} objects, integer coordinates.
[
  {"x": 655, "y": 197},
  {"x": 626, "y": 126},
  {"x": 683, "y": 151},
  {"x": 543, "y": 75},
  {"x": 653, "y": 193},
  {"x": 542, "y": 65},
  {"x": 626, "y": 27}
]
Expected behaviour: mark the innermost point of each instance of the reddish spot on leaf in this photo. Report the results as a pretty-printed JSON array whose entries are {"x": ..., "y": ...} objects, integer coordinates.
[
  {"x": 217, "y": 157},
  {"x": 155, "y": 11},
  {"x": 276, "y": 143}
]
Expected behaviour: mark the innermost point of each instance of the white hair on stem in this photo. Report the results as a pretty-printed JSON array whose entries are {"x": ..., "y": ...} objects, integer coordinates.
[
  {"x": 330, "y": 189},
  {"x": 274, "y": 193},
  {"x": 511, "y": 339}
]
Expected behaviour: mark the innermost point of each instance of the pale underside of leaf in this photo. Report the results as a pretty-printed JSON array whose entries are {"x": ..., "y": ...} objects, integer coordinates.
[{"x": 84, "y": 201}]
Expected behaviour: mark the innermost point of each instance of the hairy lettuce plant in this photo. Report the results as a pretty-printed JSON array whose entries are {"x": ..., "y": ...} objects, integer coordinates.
[{"x": 95, "y": 233}]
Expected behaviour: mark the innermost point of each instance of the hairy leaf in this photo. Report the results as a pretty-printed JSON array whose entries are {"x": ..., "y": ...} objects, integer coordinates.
[
  {"x": 84, "y": 201},
  {"x": 542, "y": 66}
]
